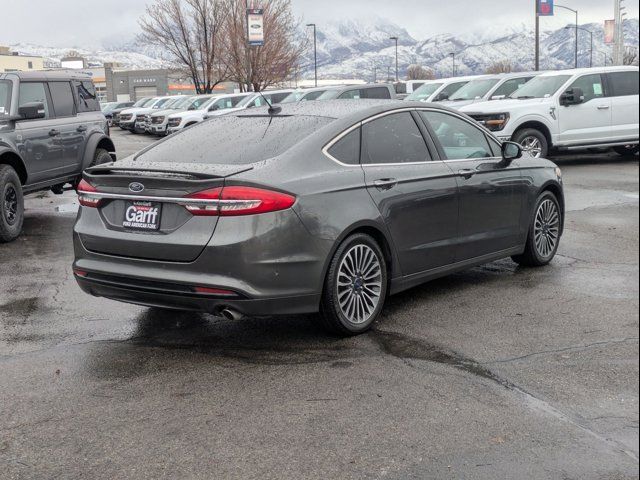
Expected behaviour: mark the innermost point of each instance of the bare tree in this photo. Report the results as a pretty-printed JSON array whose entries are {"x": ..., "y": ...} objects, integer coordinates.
[
  {"x": 191, "y": 31},
  {"x": 417, "y": 72},
  {"x": 503, "y": 66},
  {"x": 260, "y": 67},
  {"x": 630, "y": 56}
]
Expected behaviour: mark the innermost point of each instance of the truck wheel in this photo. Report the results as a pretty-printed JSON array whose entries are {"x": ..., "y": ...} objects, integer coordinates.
[
  {"x": 626, "y": 150},
  {"x": 544, "y": 233},
  {"x": 11, "y": 204},
  {"x": 533, "y": 142},
  {"x": 101, "y": 156},
  {"x": 355, "y": 287}
]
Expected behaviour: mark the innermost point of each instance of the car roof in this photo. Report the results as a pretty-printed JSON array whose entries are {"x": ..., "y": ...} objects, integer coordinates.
[
  {"x": 581, "y": 71},
  {"x": 364, "y": 85},
  {"x": 50, "y": 75}
]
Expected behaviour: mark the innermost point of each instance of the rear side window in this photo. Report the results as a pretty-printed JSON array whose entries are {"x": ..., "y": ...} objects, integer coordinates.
[
  {"x": 510, "y": 86},
  {"x": 623, "y": 83},
  {"x": 377, "y": 92},
  {"x": 236, "y": 139},
  {"x": 351, "y": 95},
  {"x": 62, "y": 97},
  {"x": 278, "y": 97},
  {"x": 591, "y": 85},
  {"x": 312, "y": 96},
  {"x": 393, "y": 139},
  {"x": 87, "y": 100},
  {"x": 34, "y": 92},
  {"x": 347, "y": 149},
  {"x": 460, "y": 140}
]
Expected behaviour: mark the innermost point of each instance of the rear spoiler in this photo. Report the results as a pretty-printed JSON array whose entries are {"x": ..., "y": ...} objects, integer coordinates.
[{"x": 146, "y": 172}]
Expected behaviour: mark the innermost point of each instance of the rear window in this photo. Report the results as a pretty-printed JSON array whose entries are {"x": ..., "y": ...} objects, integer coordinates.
[
  {"x": 236, "y": 140},
  {"x": 623, "y": 83}
]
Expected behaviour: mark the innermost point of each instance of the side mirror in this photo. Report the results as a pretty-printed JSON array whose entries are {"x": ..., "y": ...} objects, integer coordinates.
[
  {"x": 32, "y": 111},
  {"x": 441, "y": 97},
  {"x": 573, "y": 96},
  {"x": 510, "y": 151}
]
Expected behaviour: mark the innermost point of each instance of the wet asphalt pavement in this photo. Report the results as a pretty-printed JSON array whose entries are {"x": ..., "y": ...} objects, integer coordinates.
[{"x": 497, "y": 372}]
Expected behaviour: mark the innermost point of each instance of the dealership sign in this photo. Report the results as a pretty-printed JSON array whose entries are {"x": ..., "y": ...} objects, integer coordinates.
[
  {"x": 545, "y": 8},
  {"x": 255, "y": 26},
  {"x": 609, "y": 32}
]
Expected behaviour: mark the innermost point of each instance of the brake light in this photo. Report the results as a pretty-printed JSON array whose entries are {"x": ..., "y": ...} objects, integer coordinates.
[
  {"x": 85, "y": 200},
  {"x": 215, "y": 291},
  {"x": 240, "y": 200}
]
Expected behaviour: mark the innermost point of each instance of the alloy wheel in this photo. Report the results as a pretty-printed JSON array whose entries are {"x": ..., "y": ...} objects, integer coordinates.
[
  {"x": 532, "y": 146},
  {"x": 359, "y": 284},
  {"x": 547, "y": 228},
  {"x": 10, "y": 205}
]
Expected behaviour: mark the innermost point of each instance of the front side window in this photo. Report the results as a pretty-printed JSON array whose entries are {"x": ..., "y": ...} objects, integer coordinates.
[
  {"x": 377, "y": 93},
  {"x": 312, "y": 96},
  {"x": 347, "y": 149},
  {"x": 393, "y": 138},
  {"x": 277, "y": 97},
  {"x": 591, "y": 86},
  {"x": 160, "y": 103},
  {"x": 62, "y": 98},
  {"x": 541, "y": 87},
  {"x": 350, "y": 95},
  {"x": 510, "y": 86},
  {"x": 87, "y": 100},
  {"x": 623, "y": 83},
  {"x": 460, "y": 140},
  {"x": 34, "y": 92},
  {"x": 424, "y": 92},
  {"x": 475, "y": 89},
  {"x": 5, "y": 98},
  {"x": 448, "y": 91}
]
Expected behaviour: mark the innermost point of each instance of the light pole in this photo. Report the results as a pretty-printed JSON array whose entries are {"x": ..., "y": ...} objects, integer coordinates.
[
  {"x": 453, "y": 59},
  {"x": 591, "y": 50},
  {"x": 576, "y": 12},
  {"x": 315, "y": 51},
  {"x": 397, "y": 73}
]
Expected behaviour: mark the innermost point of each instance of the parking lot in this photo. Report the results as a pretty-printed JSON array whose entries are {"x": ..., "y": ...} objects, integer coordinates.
[{"x": 496, "y": 372}]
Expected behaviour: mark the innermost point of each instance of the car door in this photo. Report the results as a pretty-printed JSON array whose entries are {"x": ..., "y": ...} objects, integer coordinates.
[
  {"x": 490, "y": 194},
  {"x": 415, "y": 192},
  {"x": 36, "y": 139},
  {"x": 589, "y": 121},
  {"x": 71, "y": 131},
  {"x": 624, "y": 105}
]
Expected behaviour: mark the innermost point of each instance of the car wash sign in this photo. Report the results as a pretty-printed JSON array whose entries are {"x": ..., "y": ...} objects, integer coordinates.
[
  {"x": 255, "y": 26},
  {"x": 545, "y": 8}
]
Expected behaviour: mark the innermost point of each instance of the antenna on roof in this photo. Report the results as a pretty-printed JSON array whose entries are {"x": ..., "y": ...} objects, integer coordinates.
[{"x": 272, "y": 110}]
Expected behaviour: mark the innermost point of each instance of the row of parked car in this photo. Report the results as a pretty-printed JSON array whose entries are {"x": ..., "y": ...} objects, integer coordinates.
[{"x": 592, "y": 108}]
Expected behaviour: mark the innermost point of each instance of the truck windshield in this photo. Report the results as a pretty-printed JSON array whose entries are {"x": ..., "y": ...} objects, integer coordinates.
[
  {"x": 475, "y": 89},
  {"x": 424, "y": 92},
  {"x": 5, "y": 98},
  {"x": 541, "y": 87}
]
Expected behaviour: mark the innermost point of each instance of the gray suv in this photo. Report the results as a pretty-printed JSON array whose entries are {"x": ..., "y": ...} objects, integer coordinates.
[{"x": 51, "y": 129}]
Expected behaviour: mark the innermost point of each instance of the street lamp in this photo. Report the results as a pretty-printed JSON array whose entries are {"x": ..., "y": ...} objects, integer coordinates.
[
  {"x": 576, "y": 12},
  {"x": 315, "y": 51},
  {"x": 453, "y": 58},
  {"x": 591, "y": 50},
  {"x": 396, "y": 40}
]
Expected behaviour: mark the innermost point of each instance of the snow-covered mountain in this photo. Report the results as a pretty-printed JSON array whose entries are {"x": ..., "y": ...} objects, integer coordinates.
[{"x": 361, "y": 48}]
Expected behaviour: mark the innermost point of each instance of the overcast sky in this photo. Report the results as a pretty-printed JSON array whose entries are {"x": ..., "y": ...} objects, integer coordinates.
[{"x": 94, "y": 22}]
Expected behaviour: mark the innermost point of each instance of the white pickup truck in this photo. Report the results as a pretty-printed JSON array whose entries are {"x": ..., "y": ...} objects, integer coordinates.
[{"x": 568, "y": 110}]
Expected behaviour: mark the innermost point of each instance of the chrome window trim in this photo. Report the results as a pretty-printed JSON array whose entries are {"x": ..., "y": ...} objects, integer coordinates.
[{"x": 148, "y": 198}]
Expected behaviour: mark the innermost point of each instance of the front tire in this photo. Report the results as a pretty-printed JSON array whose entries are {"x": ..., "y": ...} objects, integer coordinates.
[
  {"x": 11, "y": 204},
  {"x": 355, "y": 288},
  {"x": 544, "y": 233},
  {"x": 626, "y": 150},
  {"x": 533, "y": 141}
]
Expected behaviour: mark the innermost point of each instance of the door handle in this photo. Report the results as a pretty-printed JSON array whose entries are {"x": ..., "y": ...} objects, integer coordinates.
[
  {"x": 385, "y": 183},
  {"x": 54, "y": 133},
  {"x": 467, "y": 173},
  {"x": 603, "y": 107},
  {"x": 82, "y": 128}
]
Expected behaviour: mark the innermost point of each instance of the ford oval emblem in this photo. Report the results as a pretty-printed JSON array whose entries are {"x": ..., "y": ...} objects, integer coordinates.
[{"x": 136, "y": 187}]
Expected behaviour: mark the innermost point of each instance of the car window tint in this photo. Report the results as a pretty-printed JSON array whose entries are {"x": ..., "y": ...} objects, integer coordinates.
[
  {"x": 378, "y": 92},
  {"x": 623, "y": 83},
  {"x": 510, "y": 86},
  {"x": 62, "y": 97},
  {"x": 449, "y": 90},
  {"x": 459, "y": 139},
  {"x": 236, "y": 139},
  {"x": 393, "y": 139},
  {"x": 34, "y": 92},
  {"x": 347, "y": 149},
  {"x": 278, "y": 97},
  {"x": 312, "y": 96},
  {"x": 86, "y": 99},
  {"x": 591, "y": 86},
  {"x": 236, "y": 100},
  {"x": 351, "y": 95}
]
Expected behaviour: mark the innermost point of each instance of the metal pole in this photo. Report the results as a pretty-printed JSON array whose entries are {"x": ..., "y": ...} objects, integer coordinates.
[
  {"x": 577, "y": 39},
  {"x": 397, "y": 69},
  {"x": 315, "y": 51},
  {"x": 537, "y": 37},
  {"x": 591, "y": 51},
  {"x": 246, "y": 15}
]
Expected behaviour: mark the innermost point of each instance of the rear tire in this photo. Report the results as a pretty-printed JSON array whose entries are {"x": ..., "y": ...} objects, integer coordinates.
[
  {"x": 355, "y": 288},
  {"x": 544, "y": 233},
  {"x": 533, "y": 142},
  {"x": 626, "y": 150},
  {"x": 11, "y": 204},
  {"x": 101, "y": 156}
]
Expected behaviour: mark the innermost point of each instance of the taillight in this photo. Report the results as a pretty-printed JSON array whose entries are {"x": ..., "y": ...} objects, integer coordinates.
[
  {"x": 239, "y": 200},
  {"x": 85, "y": 200}
]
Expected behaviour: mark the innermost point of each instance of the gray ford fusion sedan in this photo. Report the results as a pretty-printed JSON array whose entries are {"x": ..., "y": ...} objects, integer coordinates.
[{"x": 323, "y": 206}]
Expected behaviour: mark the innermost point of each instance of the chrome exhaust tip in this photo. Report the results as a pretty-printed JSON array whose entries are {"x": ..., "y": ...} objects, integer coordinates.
[{"x": 230, "y": 314}]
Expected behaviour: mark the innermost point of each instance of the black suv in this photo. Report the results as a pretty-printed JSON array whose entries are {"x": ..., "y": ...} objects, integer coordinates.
[{"x": 51, "y": 129}]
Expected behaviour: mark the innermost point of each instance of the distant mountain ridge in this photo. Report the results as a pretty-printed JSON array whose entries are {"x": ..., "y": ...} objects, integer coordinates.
[{"x": 359, "y": 48}]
